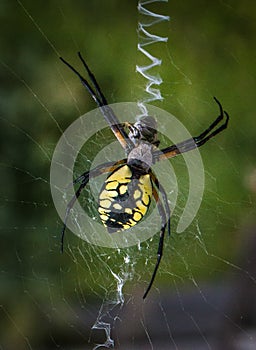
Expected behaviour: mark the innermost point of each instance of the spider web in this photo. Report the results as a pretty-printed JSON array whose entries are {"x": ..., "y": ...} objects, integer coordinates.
[{"x": 204, "y": 293}]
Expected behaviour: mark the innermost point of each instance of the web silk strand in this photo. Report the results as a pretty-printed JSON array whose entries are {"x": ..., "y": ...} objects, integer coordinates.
[{"x": 145, "y": 39}]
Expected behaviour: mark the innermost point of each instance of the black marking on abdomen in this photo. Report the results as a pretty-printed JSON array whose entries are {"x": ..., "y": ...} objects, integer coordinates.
[{"x": 124, "y": 199}]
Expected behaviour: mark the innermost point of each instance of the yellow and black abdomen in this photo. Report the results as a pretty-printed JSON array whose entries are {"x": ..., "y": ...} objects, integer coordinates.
[{"x": 124, "y": 198}]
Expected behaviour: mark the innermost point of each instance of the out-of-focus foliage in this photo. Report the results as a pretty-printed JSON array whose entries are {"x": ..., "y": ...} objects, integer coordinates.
[{"x": 211, "y": 52}]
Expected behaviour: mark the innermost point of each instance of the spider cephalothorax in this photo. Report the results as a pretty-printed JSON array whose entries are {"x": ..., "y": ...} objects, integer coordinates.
[
  {"x": 127, "y": 192},
  {"x": 145, "y": 129}
]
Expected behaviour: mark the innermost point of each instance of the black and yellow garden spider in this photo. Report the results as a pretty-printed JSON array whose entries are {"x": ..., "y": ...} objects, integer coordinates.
[{"x": 127, "y": 192}]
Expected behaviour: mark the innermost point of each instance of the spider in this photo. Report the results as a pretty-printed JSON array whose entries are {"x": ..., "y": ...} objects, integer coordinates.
[{"x": 127, "y": 192}]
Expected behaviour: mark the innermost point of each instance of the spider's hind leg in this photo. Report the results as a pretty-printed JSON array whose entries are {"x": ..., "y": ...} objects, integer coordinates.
[
  {"x": 165, "y": 221},
  {"x": 161, "y": 240},
  {"x": 165, "y": 200},
  {"x": 69, "y": 207},
  {"x": 84, "y": 179}
]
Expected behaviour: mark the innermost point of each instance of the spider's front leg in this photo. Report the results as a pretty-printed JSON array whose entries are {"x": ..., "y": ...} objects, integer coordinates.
[
  {"x": 196, "y": 141},
  {"x": 97, "y": 95},
  {"x": 207, "y": 135}
]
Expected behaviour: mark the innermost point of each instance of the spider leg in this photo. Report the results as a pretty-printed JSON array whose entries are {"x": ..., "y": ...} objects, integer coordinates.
[
  {"x": 84, "y": 178},
  {"x": 69, "y": 207},
  {"x": 212, "y": 126},
  {"x": 197, "y": 141},
  {"x": 102, "y": 103},
  {"x": 161, "y": 238},
  {"x": 93, "y": 80},
  {"x": 206, "y": 135},
  {"x": 85, "y": 83},
  {"x": 165, "y": 200},
  {"x": 108, "y": 165}
]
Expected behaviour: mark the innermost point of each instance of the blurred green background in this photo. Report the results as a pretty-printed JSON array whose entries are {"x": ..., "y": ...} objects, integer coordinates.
[{"x": 211, "y": 52}]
